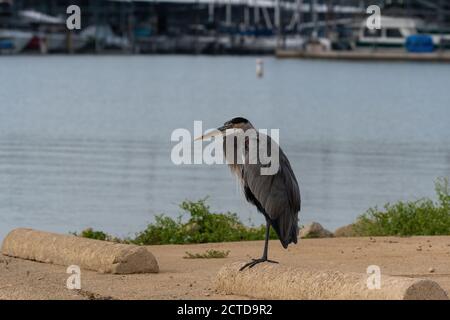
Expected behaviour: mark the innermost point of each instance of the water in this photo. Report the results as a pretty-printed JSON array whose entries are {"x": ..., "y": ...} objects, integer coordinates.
[{"x": 85, "y": 140}]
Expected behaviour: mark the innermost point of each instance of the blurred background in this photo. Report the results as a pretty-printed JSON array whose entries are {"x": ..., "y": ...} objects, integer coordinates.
[
  {"x": 220, "y": 26},
  {"x": 86, "y": 115}
]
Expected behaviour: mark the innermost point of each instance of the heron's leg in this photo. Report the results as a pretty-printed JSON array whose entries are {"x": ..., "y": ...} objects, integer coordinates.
[
  {"x": 265, "y": 252},
  {"x": 266, "y": 241}
]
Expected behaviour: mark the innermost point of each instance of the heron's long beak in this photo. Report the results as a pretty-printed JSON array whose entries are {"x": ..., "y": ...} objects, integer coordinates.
[{"x": 214, "y": 133}]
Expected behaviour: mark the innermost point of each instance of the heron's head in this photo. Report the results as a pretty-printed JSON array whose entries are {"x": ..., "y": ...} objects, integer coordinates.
[
  {"x": 236, "y": 123},
  {"x": 232, "y": 126}
]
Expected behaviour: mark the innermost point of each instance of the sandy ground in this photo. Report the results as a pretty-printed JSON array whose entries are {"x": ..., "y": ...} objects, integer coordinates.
[{"x": 425, "y": 257}]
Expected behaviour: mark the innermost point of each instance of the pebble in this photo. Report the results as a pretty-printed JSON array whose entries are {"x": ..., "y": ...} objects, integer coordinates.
[{"x": 431, "y": 270}]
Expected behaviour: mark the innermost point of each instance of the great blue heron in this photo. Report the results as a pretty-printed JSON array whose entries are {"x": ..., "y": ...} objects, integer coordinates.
[{"x": 276, "y": 196}]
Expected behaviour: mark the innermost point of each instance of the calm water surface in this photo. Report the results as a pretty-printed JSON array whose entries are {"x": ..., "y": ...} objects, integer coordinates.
[{"x": 85, "y": 140}]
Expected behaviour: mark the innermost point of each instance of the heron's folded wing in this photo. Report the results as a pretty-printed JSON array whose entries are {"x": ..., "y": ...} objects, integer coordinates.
[{"x": 277, "y": 192}]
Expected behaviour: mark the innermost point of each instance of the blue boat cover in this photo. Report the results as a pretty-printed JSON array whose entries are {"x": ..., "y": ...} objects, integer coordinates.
[
  {"x": 419, "y": 43},
  {"x": 6, "y": 44}
]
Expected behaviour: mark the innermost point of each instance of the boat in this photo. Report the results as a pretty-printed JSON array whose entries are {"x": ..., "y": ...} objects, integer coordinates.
[
  {"x": 393, "y": 33},
  {"x": 14, "y": 41},
  {"x": 105, "y": 36},
  {"x": 57, "y": 42},
  {"x": 47, "y": 41}
]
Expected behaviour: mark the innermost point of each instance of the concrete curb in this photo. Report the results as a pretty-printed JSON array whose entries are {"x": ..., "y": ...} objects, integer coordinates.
[
  {"x": 273, "y": 281},
  {"x": 101, "y": 256}
]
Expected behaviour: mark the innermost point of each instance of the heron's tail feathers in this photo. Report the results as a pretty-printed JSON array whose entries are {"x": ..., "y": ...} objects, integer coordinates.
[{"x": 286, "y": 227}]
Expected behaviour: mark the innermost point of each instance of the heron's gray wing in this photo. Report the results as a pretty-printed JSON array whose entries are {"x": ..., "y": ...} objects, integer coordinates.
[
  {"x": 276, "y": 196},
  {"x": 275, "y": 193}
]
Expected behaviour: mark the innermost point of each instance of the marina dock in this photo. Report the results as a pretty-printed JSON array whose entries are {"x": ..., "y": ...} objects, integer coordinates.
[{"x": 365, "y": 55}]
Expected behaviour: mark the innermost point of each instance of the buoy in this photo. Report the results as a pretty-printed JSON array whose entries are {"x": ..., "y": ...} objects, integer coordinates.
[{"x": 259, "y": 68}]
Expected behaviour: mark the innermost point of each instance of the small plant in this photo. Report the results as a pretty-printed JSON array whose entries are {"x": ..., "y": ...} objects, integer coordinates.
[
  {"x": 208, "y": 254},
  {"x": 421, "y": 217},
  {"x": 97, "y": 235}
]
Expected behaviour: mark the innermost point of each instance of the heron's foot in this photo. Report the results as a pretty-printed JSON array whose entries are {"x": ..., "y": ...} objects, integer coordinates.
[{"x": 254, "y": 262}]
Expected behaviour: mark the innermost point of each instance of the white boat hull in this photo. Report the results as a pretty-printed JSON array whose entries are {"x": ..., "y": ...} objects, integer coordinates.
[{"x": 18, "y": 39}]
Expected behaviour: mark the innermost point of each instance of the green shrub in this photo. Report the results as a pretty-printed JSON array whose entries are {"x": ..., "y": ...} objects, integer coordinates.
[
  {"x": 421, "y": 217},
  {"x": 201, "y": 226}
]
